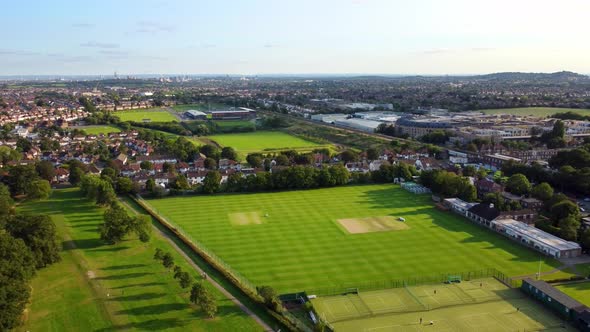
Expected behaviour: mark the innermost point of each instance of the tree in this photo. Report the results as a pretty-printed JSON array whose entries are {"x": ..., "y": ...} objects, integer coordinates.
[
  {"x": 167, "y": 260},
  {"x": 229, "y": 153},
  {"x": 208, "y": 304},
  {"x": 17, "y": 267},
  {"x": 146, "y": 165},
  {"x": 45, "y": 170},
  {"x": 568, "y": 228},
  {"x": 185, "y": 279},
  {"x": 6, "y": 202},
  {"x": 282, "y": 160},
  {"x": 7, "y": 154},
  {"x": 211, "y": 182},
  {"x": 181, "y": 183},
  {"x": 177, "y": 271},
  {"x": 39, "y": 189},
  {"x": 39, "y": 234},
  {"x": 159, "y": 255},
  {"x": 168, "y": 168},
  {"x": 141, "y": 226},
  {"x": 268, "y": 294},
  {"x": 20, "y": 178},
  {"x": 542, "y": 191},
  {"x": 348, "y": 156},
  {"x": 518, "y": 184},
  {"x": 23, "y": 144},
  {"x": 565, "y": 209},
  {"x": 209, "y": 150},
  {"x": 372, "y": 154},
  {"x": 124, "y": 185},
  {"x": 255, "y": 160},
  {"x": 210, "y": 163},
  {"x": 150, "y": 184},
  {"x": 197, "y": 293},
  {"x": 116, "y": 224}
]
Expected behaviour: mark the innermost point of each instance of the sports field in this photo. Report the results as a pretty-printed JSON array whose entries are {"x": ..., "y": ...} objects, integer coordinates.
[
  {"x": 537, "y": 111},
  {"x": 99, "y": 287},
  {"x": 476, "y": 305},
  {"x": 261, "y": 141},
  {"x": 156, "y": 115},
  {"x": 97, "y": 130},
  {"x": 300, "y": 245},
  {"x": 578, "y": 290}
]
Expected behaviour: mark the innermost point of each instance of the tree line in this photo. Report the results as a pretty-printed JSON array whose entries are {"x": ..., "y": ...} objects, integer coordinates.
[{"x": 28, "y": 242}]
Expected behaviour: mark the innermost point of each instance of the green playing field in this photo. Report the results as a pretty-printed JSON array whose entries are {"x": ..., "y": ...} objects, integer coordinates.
[
  {"x": 141, "y": 115},
  {"x": 480, "y": 304},
  {"x": 297, "y": 244}
]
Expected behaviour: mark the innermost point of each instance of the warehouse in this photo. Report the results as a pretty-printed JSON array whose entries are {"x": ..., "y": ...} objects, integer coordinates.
[{"x": 359, "y": 124}]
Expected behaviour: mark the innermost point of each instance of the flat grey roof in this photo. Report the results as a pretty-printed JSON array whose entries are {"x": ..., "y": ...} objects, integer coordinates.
[{"x": 537, "y": 235}]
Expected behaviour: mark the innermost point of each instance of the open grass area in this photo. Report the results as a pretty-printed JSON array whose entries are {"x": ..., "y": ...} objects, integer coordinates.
[
  {"x": 97, "y": 130},
  {"x": 578, "y": 290},
  {"x": 537, "y": 111},
  {"x": 478, "y": 305},
  {"x": 299, "y": 245},
  {"x": 156, "y": 115},
  {"x": 98, "y": 287},
  {"x": 263, "y": 141}
]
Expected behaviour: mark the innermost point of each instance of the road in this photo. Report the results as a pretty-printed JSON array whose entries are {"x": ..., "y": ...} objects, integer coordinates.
[{"x": 225, "y": 293}]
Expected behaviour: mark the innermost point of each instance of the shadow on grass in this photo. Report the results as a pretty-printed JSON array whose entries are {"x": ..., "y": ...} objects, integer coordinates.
[
  {"x": 154, "y": 309},
  {"x": 150, "y": 325},
  {"x": 144, "y": 284},
  {"x": 112, "y": 248},
  {"x": 122, "y": 267},
  {"x": 124, "y": 276},
  {"x": 139, "y": 297},
  {"x": 82, "y": 244}
]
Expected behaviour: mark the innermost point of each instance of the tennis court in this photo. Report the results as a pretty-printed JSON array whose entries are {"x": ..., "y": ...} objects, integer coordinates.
[{"x": 482, "y": 305}]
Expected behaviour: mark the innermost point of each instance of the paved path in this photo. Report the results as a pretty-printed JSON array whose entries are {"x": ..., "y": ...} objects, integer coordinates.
[{"x": 225, "y": 293}]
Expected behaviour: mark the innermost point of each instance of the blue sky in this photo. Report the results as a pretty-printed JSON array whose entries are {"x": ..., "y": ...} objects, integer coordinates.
[{"x": 299, "y": 36}]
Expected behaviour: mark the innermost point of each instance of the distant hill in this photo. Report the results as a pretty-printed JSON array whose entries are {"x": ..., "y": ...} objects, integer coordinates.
[{"x": 564, "y": 76}]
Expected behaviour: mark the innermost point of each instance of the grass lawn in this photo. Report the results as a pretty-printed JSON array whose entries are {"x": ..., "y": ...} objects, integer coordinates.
[
  {"x": 301, "y": 246},
  {"x": 156, "y": 115},
  {"x": 482, "y": 304},
  {"x": 98, "y": 287},
  {"x": 538, "y": 111},
  {"x": 579, "y": 291},
  {"x": 261, "y": 141},
  {"x": 96, "y": 130}
]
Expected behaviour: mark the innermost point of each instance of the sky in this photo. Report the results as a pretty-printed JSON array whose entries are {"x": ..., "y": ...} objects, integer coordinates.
[{"x": 428, "y": 37}]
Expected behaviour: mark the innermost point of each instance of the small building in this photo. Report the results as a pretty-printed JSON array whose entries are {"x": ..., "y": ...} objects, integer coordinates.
[
  {"x": 195, "y": 115},
  {"x": 562, "y": 304},
  {"x": 458, "y": 206}
]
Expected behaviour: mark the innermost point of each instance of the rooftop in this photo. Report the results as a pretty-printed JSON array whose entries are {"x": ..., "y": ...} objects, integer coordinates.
[{"x": 537, "y": 235}]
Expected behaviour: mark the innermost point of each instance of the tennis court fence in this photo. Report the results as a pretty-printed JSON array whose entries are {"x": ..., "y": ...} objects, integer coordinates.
[{"x": 416, "y": 281}]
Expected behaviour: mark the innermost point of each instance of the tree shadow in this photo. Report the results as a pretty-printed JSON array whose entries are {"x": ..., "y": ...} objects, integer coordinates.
[
  {"x": 124, "y": 276},
  {"x": 111, "y": 248},
  {"x": 138, "y": 297},
  {"x": 144, "y": 284},
  {"x": 81, "y": 244},
  {"x": 150, "y": 325},
  {"x": 122, "y": 267},
  {"x": 154, "y": 309}
]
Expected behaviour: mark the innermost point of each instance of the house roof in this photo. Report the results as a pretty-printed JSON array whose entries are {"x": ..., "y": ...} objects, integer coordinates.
[
  {"x": 555, "y": 294},
  {"x": 485, "y": 211}
]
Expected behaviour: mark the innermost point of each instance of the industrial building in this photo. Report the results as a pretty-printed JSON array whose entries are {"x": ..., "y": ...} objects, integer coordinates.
[
  {"x": 359, "y": 124},
  {"x": 195, "y": 115}
]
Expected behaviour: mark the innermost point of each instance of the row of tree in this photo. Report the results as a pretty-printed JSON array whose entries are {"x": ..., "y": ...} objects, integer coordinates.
[
  {"x": 27, "y": 243},
  {"x": 117, "y": 222},
  {"x": 199, "y": 295}
]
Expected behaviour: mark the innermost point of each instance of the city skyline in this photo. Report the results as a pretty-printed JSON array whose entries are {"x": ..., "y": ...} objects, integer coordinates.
[{"x": 262, "y": 37}]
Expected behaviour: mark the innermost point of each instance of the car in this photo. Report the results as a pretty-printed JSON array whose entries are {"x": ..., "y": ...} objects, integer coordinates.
[
  {"x": 401, "y": 219},
  {"x": 587, "y": 199}
]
